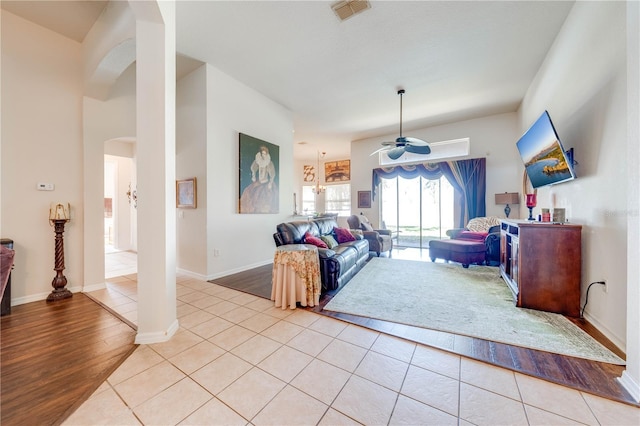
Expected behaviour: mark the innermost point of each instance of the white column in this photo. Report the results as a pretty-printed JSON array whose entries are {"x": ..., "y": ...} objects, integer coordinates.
[{"x": 155, "y": 81}]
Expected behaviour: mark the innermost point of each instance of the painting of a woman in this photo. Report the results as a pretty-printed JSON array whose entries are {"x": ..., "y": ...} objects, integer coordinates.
[{"x": 258, "y": 181}]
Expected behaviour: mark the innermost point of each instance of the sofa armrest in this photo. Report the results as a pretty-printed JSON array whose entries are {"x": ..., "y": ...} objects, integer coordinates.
[
  {"x": 371, "y": 235},
  {"x": 324, "y": 253},
  {"x": 277, "y": 238},
  {"x": 453, "y": 233},
  {"x": 383, "y": 231},
  {"x": 494, "y": 230}
]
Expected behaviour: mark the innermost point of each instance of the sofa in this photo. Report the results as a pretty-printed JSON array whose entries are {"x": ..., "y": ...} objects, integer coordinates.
[
  {"x": 478, "y": 242},
  {"x": 380, "y": 240},
  {"x": 337, "y": 264}
]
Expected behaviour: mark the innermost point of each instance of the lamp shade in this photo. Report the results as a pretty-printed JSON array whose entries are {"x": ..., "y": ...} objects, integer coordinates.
[
  {"x": 508, "y": 198},
  {"x": 59, "y": 211}
]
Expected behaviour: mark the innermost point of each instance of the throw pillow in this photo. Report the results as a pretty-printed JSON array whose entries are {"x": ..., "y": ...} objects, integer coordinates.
[
  {"x": 310, "y": 239},
  {"x": 329, "y": 241},
  {"x": 366, "y": 226},
  {"x": 482, "y": 224},
  {"x": 471, "y": 235},
  {"x": 357, "y": 233},
  {"x": 343, "y": 235}
]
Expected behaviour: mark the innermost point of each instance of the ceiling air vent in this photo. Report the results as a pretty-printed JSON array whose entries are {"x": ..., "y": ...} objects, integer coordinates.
[{"x": 346, "y": 9}]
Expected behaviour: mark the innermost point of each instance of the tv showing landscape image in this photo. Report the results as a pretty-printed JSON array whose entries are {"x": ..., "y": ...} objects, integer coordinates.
[{"x": 545, "y": 160}]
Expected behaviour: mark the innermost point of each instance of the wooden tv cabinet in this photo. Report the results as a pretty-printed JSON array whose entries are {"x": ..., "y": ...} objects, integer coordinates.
[{"x": 541, "y": 263}]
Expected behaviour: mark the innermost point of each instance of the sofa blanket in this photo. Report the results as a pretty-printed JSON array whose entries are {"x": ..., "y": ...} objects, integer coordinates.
[{"x": 337, "y": 265}]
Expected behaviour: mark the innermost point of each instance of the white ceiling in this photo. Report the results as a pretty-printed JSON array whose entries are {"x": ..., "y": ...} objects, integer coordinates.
[{"x": 456, "y": 59}]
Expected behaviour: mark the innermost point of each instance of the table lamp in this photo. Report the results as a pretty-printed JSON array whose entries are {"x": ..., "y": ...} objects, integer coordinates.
[{"x": 508, "y": 198}]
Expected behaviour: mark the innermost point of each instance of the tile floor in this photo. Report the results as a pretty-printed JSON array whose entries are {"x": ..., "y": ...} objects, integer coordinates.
[{"x": 239, "y": 360}]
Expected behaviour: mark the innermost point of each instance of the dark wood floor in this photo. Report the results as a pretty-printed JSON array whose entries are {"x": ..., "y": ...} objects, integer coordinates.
[
  {"x": 256, "y": 281},
  {"x": 589, "y": 376},
  {"x": 53, "y": 356}
]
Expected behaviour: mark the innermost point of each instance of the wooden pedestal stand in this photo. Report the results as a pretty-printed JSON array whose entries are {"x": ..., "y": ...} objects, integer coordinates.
[{"x": 59, "y": 281}]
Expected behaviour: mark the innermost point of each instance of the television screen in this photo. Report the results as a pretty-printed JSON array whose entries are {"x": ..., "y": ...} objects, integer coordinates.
[{"x": 545, "y": 160}]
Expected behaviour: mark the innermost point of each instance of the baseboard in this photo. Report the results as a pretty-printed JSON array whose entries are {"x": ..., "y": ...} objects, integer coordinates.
[
  {"x": 237, "y": 270},
  {"x": 157, "y": 336},
  {"x": 93, "y": 287},
  {"x": 15, "y": 301},
  {"x": 630, "y": 385},
  {"x": 191, "y": 274},
  {"x": 607, "y": 333}
]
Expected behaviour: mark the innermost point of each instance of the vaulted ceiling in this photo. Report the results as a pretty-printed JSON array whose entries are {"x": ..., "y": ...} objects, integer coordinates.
[{"x": 456, "y": 59}]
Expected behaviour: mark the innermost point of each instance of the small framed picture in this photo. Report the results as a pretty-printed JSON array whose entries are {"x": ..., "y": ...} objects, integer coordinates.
[
  {"x": 186, "y": 193},
  {"x": 364, "y": 199}
]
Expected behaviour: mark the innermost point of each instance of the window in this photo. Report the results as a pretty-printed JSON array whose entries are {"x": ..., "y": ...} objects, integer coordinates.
[
  {"x": 338, "y": 199},
  {"x": 416, "y": 210},
  {"x": 308, "y": 199}
]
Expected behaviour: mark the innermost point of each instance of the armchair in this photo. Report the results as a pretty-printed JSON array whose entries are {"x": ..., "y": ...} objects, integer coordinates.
[
  {"x": 485, "y": 229},
  {"x": 379, "y": 239},
  {"x": 478, "y": 242}
]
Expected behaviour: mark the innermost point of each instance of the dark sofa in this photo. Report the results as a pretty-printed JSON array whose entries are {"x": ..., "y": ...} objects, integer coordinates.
[{"x": 337, "y": 265}]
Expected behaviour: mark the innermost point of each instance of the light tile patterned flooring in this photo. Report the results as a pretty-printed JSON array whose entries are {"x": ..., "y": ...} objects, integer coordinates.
[{"x": 239, "y": 360}]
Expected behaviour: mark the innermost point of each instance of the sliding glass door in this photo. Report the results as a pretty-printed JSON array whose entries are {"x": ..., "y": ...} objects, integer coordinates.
[{"x": 416, "y": 210}]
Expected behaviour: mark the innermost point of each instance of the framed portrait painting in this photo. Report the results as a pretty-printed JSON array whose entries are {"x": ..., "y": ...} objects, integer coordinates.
[
  {"x": 186, "y": 195},
  {"x": 258, "y": 176}
]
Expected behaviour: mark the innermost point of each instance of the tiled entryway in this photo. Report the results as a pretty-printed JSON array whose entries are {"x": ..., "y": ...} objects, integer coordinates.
[{"x": 239, "y": 360}]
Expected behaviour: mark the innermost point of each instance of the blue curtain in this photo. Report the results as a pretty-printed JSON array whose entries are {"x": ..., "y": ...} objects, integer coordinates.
[{"x": 467, "y": 177}]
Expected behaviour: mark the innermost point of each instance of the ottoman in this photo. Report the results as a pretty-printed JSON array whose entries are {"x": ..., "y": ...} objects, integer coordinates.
[{"x": 463, "y": 251}]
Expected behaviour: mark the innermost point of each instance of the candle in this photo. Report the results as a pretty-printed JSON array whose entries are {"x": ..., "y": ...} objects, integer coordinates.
[{"x": 531, "y": 200}]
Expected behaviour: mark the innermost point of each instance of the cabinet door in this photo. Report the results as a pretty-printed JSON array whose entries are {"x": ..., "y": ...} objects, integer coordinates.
[
  {"x": 515, "y": 261},
  {"x": 503, "y": 251}
]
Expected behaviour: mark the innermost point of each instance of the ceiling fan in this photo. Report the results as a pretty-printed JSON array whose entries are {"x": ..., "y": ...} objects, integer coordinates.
[{"x": 402, "y": 144}]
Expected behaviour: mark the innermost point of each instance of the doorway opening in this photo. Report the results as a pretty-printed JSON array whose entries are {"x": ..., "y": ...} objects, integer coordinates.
[
  {"x": 416, "y": 210},
  {"x": 119, "y": 217}
]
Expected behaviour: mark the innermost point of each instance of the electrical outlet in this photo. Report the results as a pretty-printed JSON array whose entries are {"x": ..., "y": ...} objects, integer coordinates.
[
  {"x": 216, "y": 252},
  {"x": 605, "y": 289}
]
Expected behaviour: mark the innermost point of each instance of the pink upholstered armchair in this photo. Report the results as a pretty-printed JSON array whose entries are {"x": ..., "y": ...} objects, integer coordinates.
[
  {"x": 482, "y": 229},
  {"x": 379, "y": 239}
]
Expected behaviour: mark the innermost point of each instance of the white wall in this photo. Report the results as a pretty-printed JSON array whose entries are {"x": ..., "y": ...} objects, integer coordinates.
[
  {"x": 582, "y": 83},
  {"x": 243, "y": 241},
  {"x": 631, "y": 376},
  {"x": 41, "y": 142},
  {"x": 191, "y": 161},
  {"x": 492, "y": 137}
]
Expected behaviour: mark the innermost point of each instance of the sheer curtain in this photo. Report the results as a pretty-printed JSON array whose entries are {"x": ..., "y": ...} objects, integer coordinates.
[{"x": 468, "y": 178}]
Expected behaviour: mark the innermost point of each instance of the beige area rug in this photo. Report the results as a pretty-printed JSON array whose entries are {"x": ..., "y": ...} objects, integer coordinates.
[{"x": 473, "y": 302}]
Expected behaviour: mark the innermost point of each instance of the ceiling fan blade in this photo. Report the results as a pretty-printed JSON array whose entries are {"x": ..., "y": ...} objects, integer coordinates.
[
  {"x": 418, "y": 149},
  {"x": 388, "y": 143},
  {"x": 384, "y": 148},
  {"x": 396, "y": 153},
  {"x": 415, "y": 141}
]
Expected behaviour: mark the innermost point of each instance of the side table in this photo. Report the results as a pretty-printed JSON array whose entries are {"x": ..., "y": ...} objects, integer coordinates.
[{"x": 296, "y": 276}]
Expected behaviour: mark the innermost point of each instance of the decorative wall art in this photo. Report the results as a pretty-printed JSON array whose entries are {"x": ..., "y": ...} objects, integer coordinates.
[
  {"x": 258, "y": 179},
  {"x": 309, "y": 173},
  {"x": 337, "y": 171},
  {"x": 186, "y": 195},
  {"x": 364, "y": 199}
]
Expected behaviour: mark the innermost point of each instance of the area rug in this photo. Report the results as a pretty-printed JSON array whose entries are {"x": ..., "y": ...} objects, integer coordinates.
[{"x": 473, "y": 302}]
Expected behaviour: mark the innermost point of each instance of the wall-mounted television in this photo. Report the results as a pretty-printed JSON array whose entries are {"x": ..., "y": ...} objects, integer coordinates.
[{"x": 543, "y": 155}]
